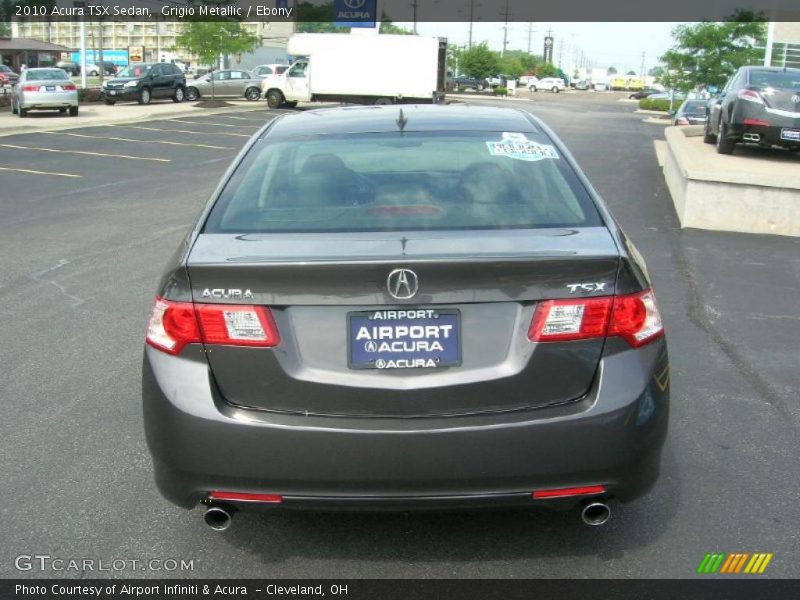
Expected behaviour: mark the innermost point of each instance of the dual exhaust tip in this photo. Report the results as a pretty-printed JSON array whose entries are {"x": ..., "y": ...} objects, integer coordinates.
[
  {"x": 593, "y": 512},
  {"x": 751, "y": 137}
]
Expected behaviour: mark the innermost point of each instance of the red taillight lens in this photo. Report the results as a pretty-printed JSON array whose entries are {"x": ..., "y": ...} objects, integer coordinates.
[
  {"x": 587, "y": 490},
  {"x": 30, "y": 88},
  {"x": 175, "y": 324},
  {"x": 634, "y": 317},
  {"x": 683, "y": 121},
  {"x": 246, "y": 497},
  {"x": 69, "y": 87},
  {"x": 755, "y": 122},
  {"x": 751, "y": 96}
]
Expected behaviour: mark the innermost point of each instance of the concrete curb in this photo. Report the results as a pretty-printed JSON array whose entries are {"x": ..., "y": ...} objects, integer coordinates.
[{"x": 156, "y": 113}]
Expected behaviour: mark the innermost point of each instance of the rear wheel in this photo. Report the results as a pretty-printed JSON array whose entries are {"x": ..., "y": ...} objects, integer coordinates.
[
  {"x": 14, "y": 110},
  {"x": 291, "y": 104},
  {"x": 110, "y": 102},
  {"x": 144, "y": 96},
  {"x": 532, "y": 88},
  {"x": 555, "y": 89},
  {"x": 73, "y": 111},
  {"x": 23, "y": 112},
  {"x": 192, "y": 94},
  {"x": 275, "y": 99},
  {"x": 252, "y": 94},
  {"x": 179, "y": 95},
  {"x": 708, "y": 137},
  {"x": 724, "y": 145}
]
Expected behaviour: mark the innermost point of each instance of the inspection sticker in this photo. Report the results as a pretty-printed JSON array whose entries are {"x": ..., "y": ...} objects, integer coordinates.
[{"x": 517, "y": 146}]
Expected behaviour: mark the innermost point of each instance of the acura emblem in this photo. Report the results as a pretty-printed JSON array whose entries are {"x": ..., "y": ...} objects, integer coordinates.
[
  {"x": 796, "y": 99},
  {"x": 402, "y": 284}
]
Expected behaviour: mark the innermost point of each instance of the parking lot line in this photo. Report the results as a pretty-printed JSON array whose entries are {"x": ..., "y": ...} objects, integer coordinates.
[
  {"x": 182, "y": 131},
  {"x": 32, "y": 172},
  {"x": 119, "y": 139},
  {"x": 204, "y": 123},
  {"x": 85, "y": 152},
  {"x": 257, "y": 118}
]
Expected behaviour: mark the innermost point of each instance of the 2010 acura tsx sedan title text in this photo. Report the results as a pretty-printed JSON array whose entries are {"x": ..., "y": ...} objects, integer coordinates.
[{"x": 416, "y": 307}]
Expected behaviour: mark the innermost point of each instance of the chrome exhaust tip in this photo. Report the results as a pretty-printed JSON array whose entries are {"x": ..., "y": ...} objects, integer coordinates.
[
  {"x": 595, "y": 513},
  {"x": 751, "y": 137},
  {"x": 218, "y": 518}
]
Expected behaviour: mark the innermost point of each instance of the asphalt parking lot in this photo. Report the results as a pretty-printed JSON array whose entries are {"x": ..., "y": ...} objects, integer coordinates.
[{"x": 88, "y": 218}]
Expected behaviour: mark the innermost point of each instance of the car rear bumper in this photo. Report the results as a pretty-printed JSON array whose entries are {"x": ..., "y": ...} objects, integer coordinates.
[
  {"x": 48, "y": 100},
  {"x": 768, "y": 135},
  {"x": 612, "y": 437}
]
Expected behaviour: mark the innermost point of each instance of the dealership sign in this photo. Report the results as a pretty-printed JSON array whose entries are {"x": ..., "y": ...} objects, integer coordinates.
[{"x": 355, "y": 13}]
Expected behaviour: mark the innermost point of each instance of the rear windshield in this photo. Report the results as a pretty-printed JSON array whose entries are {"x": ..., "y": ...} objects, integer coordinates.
[
  {"x": 393, "y": 181},
  {"x": 46, "y": 74},
  {"x": 694, "y": 106},
  {"x": 776, "y": 79}
]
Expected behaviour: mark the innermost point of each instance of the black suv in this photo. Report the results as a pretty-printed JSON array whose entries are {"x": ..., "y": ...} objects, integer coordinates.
[
  {"x": 70, "y": 67},
  {"x": 145, "y": 81},
  {"x": 758, "y": 105}
]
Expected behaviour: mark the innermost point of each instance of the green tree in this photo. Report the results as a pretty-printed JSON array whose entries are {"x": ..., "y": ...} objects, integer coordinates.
[
  {"x": 545, "y": 70},
  {"x": 479, "y": 62},
  {"x": 611, "y": 71},
  {"x": 708, "y": 53},
  {"x": 388, "y": 27},
  {"x": 210, "y": 39}
]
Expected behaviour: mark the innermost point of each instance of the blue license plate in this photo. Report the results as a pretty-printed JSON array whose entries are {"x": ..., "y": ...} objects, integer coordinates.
[
  {"x": 407, "y": 338},
  {"x": 791, "y": 135}
]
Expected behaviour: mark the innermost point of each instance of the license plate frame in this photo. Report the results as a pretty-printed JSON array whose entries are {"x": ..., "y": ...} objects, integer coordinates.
[
  {"x": 789, "y": 134},
  {"x": 450, "y": 355}
]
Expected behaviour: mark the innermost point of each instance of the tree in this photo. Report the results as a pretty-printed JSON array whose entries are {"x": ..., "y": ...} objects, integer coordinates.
[
  {"x": 611, "y": 71},
  {"x": 479, "y": 62},
  {"x": 706, "y": 54},
  {"x": 388, "y": 27},
  {"x": 210, "y": 39},
  {"x": 631, "y": 73},
  {"x": 545, "y": 70}
]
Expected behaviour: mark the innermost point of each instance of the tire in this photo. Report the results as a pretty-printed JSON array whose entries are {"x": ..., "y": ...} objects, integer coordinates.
[
  {"x": 23, "y": 112},
  {"x": 145, "y": 96},
  {"x": 724, "y": 145},
  {"x": 291, "y": 104},
  {"x": 94, "y": 74},
  {"x": 179, "y": 95},
  {"x": 478, "y": 88},
  {"x": 73, "y": 111},
  {"x": 556, "y": 90},
  {"x": 192, "y": 94},
  {"x": 275, "y": 99},
  {"x": 708, "y": 137},
  {"x": 532, "y": 89},
  {"x": 110, "y": 102},
  {"x": 14, "y": 110},
  {"x": 252, "y": 94}
]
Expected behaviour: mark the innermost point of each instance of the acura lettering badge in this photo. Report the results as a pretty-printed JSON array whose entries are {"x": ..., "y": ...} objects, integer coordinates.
[{"x": 402, "y": 284}]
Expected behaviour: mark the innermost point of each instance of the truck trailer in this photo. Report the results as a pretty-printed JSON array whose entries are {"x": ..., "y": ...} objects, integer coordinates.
[{"x": 360, "y": 69}]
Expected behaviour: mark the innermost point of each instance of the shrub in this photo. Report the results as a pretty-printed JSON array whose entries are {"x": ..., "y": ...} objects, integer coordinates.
[
  {"x": 661, "y": 104},
  {"x": 461, "y": 89},
  {"x": 89, "y": 95},
  {"x": 500, "y": 91}
]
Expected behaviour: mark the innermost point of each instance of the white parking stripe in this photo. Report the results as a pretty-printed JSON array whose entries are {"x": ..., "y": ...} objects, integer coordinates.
[
  {"x": 85, "y": 153},
  {"x": 241, "y": 118},
  {"x": 247, "y": 135},
  {"x": 205, "y": 123},
  {"x": 32, "y": 172},
  {"x": 119, "y": 139}
]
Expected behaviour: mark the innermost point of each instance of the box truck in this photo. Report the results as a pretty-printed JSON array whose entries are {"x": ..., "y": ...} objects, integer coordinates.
[{"x": 360, "y": 69}]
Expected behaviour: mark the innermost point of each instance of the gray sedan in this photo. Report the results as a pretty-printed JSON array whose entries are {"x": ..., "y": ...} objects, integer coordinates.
[
  {"x": 44, "y": 89},
  {"x": 227, "y": 83}
]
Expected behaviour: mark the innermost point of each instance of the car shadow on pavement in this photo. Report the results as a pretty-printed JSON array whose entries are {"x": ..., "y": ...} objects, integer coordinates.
[{"x": 490, "y": 535}]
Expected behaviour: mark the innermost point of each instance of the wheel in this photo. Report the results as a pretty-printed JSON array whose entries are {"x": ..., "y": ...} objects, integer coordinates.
[
  {"x": 275, "y": 99},
  {"x": 708, "y": 137},
  {"x": 382, "y": 101},
  {"x": 192, "y": 94},
  {"x": 13, "y": 108},
  {"x": 724, "y": 145},
  {"x": 291, "y": 104},
  {"x": 532, "y": 88},
  {"x": 478, "y": 88},
  {"x": 94, "y": 73},
  {"x": 110, "y": 102},
  {"x": 73, "y": 111},
  {"x": 23, "y": 112},
  {"x": 252, "y": 94},
  {"x": 178, "y": 96},
  {"x": 62, "y": 110},
  {"x": 144, "y": 96},
  {"x": 555, "y": 90}
]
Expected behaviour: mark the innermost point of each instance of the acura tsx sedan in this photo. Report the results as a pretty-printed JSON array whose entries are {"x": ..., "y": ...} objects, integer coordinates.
[{"x": 404, "y": 308}]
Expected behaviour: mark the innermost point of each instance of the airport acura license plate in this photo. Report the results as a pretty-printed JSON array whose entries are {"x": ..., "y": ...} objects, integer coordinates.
[
  {"x": 791, "y": 135},
  {"x": 406, "y": 338}
]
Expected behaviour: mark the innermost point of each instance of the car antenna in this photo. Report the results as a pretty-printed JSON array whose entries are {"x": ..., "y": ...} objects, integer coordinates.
[{"x": 401, "y": 121}]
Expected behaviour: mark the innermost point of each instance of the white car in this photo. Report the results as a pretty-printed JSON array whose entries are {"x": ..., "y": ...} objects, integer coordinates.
[
  {"x": 262, "y": 71},
  {"x": 528, "y": 80},
  {"x": 553, "y": 84},
  {"x": 600, "y": 87}
]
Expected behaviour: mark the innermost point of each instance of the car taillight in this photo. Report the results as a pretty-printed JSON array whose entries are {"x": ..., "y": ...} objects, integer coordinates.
[
  {"x": 173, "y": 325},
  {"x": 69, "y": 87},
  {"x": 750, "y": 96},
  {"x": 683, "y": 121},
  {"x": 755, "y": 122},
  {"x": 633, "y": 317},
  {"x": 30, "y": 88}
]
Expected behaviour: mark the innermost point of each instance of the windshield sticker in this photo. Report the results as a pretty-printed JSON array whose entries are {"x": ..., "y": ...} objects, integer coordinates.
[{"x": 517, "y": 146}]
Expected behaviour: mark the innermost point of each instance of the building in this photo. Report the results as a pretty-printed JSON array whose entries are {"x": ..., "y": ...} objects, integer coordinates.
[
  {"x": 783, "y": 42},
  {"x": 15, "y": 52},
  {"x": 132, "y": 41}
]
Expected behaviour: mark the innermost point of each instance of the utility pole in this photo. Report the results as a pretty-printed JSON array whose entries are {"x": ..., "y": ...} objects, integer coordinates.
[
  {"x": 531, "y": 29},
  {"x": 560, "y": 51},
  {"x": 472, "y": 6},
  {"x": 505, "y": 30},
  {"x": 641, "y": 71},
  {"x": 414, "y": 6}
]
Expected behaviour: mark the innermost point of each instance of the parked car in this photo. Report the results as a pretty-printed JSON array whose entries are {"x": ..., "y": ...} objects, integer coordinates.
[
  {"x": 527, "y": 80},
  {"x": 143, "y": 82},
  {"x": 8, "y": 76},
  {"x": 70, "y": 67},
  {"x": 676, "y": 96},
  {"x": 644, "y": 93},
  {"x": 552, "y": 84},
  {"x": 499, "y": 80},
  {"x": 600, "y": 86},
  {"x": 582, "y": 85},
  {"x": 262, "y": 71},
  {"x": 758, "y": 105},
  {"x": 93, "y": 69},
  {"x": 44, "y": 89},
  {"x": 227, "y": 83},
  {"x": 365, "y": 316},
  {"x": 472, "y": 83},
  {"x": 691, "y": 112}
]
